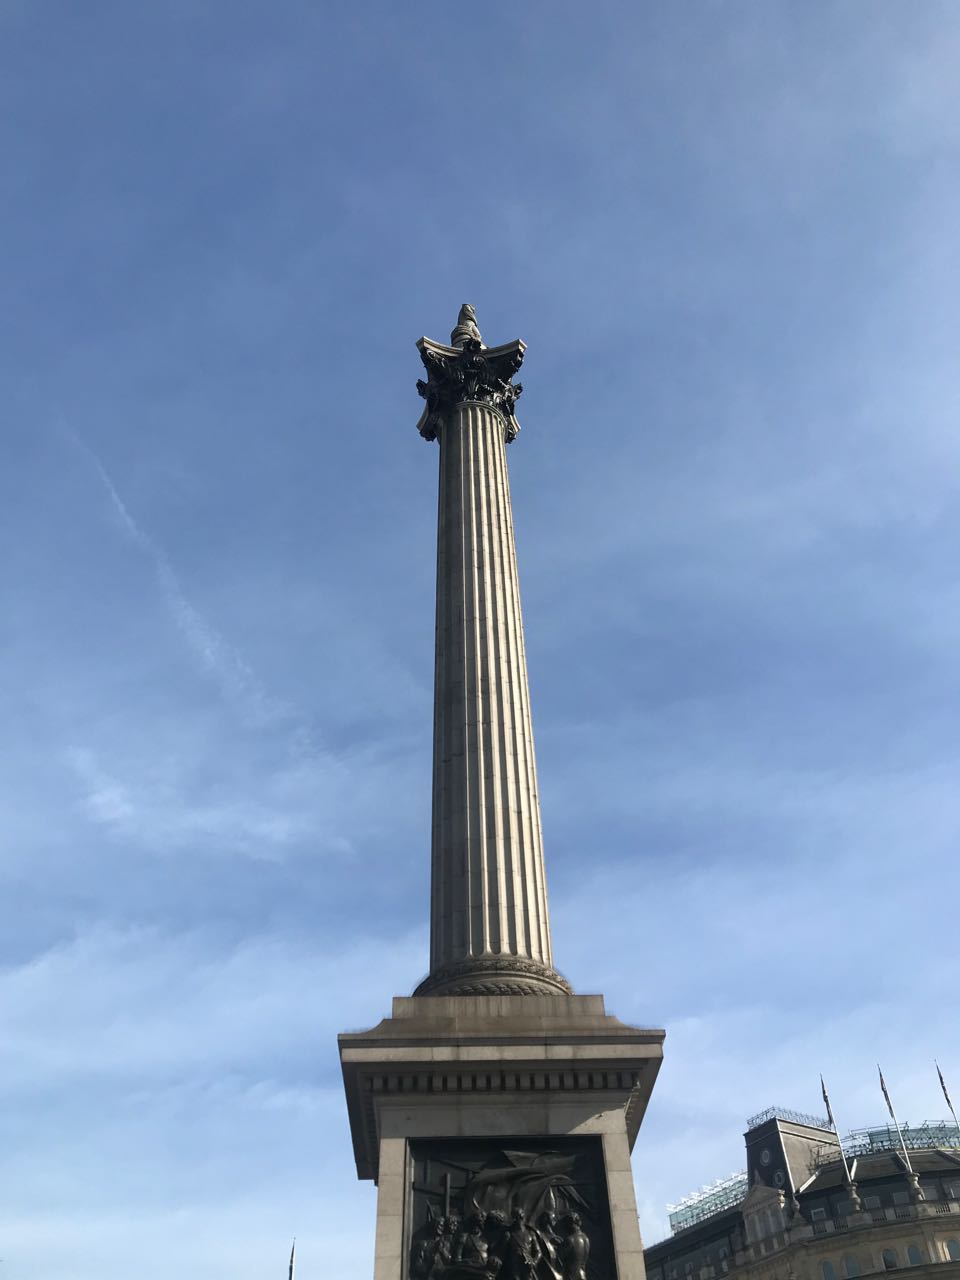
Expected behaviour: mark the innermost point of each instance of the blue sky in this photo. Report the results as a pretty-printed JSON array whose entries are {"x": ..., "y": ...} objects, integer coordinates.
[{"x": 727, "y": 232}]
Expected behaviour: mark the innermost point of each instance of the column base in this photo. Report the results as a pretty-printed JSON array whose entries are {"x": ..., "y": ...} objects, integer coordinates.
[{"x": 494, "y": 976}]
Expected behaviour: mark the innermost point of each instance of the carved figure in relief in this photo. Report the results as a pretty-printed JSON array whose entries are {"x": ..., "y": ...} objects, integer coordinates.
[
  {"x": 522, "y": 1248},
  {"x": 472, "y": 1259},
  {"x": 575, "y": 1249},
  {"x": 496, "y": 1227},
  {"x": 451, "y": 1226},
  {"x": 425, "y": 1252},
  {"x": 466, "y": 329},
  {"x": 550, "y": 1242}
]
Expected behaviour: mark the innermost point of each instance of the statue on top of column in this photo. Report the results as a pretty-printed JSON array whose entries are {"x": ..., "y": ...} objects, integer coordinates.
[{"x": 466, "y": 330}]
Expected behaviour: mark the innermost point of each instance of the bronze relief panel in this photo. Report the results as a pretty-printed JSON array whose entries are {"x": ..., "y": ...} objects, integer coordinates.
[{"x": 514, "y": 1209}]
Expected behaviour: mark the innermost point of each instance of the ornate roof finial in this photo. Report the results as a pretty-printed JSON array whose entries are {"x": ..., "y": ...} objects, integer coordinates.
[{"x": 466, "y": 332}]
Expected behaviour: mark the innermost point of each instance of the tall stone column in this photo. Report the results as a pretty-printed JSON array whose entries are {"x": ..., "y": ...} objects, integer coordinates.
[
  {"x": 495, "y": 1109},
  {"x": 489, "y": 922}
]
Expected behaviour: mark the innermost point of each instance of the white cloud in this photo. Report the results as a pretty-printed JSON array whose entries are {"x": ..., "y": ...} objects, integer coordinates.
[
  {"x": 234, "y": 677},
  {"x": 143, "y": 1007}
]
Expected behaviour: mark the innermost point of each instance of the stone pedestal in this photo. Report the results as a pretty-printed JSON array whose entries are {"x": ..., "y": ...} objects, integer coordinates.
[{"x": 476, "y": 1105}]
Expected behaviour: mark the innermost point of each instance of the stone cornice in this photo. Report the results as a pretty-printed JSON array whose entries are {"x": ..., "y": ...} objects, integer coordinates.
[
  {"x": 505, "y": 1052},
  {"x": 472, "y": 372}
]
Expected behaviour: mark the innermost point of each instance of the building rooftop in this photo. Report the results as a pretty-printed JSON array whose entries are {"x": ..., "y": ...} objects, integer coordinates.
[
  {"x": 936, "y": 1134},
  {"x": 859, "y": 1144},
  {"x": 722, "y": 1194},
  {"x": 787, "y": 1113}
]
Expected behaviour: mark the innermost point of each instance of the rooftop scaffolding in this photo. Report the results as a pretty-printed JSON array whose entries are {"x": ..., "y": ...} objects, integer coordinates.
[
  {"x": 863, "y": 1142},
  {"x": 786, "y": 1113},
  {"x": 703, "y": 1204}
]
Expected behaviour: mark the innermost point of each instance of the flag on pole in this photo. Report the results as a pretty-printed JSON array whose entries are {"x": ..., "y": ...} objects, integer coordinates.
[
  {"x": 293, "y": 1253},
  {"x": 826, "y": 1103},
  {"x": 886, "y": 1096},
  {"x": 896, "y": 1125},
  {"x": 943, "y": 1084},
  {"x": 833, "y": 1126}
]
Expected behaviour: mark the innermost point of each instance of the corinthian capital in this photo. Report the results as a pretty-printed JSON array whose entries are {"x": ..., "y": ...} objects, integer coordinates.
[{"x": 469, "y": 372}]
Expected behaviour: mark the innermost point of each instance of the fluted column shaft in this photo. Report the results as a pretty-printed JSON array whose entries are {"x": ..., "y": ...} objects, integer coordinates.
[
  {"x": 489, "y": 925},
  {"x": 489, "y": 895}
]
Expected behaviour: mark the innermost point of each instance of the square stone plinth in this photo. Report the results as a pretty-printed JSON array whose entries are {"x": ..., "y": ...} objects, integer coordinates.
[{"x": 527, "y": 1068}]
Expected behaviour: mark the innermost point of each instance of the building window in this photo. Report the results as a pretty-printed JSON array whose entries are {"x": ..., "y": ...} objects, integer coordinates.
[
  {"x": 817, "y": 1215},
  {"x": 901, "y": 1197},
  {"x": 722, "y": 1251},
  {"x": 914, "y": 1256},
  {"x": 953, "y": 1249},
  {"x": 871, "y": 1202},
  {"x": 889, "y": 1259},
  {"x": 827, "y": 1270},
  {"x": 851, "y": 1267}
]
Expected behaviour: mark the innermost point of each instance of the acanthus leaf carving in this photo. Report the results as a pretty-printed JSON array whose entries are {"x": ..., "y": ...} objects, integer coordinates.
[
  {"x": 470, "y": 372},
  {"x": 494, "y": 975}
]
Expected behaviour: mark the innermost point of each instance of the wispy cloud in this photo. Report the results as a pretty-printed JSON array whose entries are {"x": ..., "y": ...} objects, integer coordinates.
[
  {"x": 233, "y": 675},
  {"x": 158, "y": 806},
  {"x": 154, "y": 1009},
  {"x": 297, "y": 794}
]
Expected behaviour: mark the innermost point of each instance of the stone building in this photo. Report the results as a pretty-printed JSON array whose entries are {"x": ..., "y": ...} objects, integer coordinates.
[{"x": 795, "y": 1215}]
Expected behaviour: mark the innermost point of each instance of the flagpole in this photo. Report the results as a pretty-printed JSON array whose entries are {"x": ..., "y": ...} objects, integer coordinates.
[
  {"x": 854, "y": 1194},
  {"x": 903, "y": 1145},
  {"x": 943, "y": 1086},
  {"x": 293, "y": 1252},
  {"x": 914, "y": 1180}
]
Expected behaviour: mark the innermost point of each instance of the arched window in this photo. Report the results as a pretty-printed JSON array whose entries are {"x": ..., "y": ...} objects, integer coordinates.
[
  {"x": 953, "y": 1248},
  {"x": 827, "y": 1270},
  {"x": 889, "y": 1260},
  {"x": 914, "y": 1256},
  {"x": 851, "y": 1267}
]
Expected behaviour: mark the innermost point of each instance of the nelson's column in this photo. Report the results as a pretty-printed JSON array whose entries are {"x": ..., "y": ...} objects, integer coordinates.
[{"x": 495, "y": 1109}]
